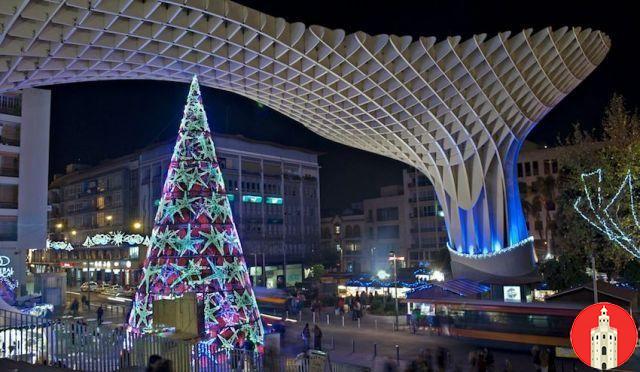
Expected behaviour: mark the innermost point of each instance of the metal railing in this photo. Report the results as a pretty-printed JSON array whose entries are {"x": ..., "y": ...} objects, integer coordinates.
[{"x": 83, "y": 345}]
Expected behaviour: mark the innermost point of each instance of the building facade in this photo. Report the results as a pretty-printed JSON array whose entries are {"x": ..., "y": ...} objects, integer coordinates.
[
  {"x": 427, "y": 227},
  {"x": 405, "y": 219},
  {"x": 344, "y": 232},
  {"x": 24, "y": 159},
  {"x": 274, "y": 194},
  {"x": 538, "y": 171},
  {"x": 91, "y": 201}
]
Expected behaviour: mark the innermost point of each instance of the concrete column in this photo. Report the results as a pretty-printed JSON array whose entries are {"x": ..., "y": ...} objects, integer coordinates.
[{"x": 34, "y": 176}]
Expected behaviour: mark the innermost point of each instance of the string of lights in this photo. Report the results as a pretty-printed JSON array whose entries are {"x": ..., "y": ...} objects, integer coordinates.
[{"x": 597, "y": 211}]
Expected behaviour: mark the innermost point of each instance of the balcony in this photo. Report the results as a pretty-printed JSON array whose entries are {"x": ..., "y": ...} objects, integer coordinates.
[
  {"x": 9, "y": 141},
  {"x": 11, "y": 105}
]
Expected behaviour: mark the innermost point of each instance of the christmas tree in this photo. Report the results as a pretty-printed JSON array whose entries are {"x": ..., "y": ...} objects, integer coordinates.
[{"x": 194, "y": 244}]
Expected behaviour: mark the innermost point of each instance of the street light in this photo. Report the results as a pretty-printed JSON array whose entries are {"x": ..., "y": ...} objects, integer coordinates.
[
  {"x": 59, "y": 225},
  {"x": 137, "y": 225},
  {"x": 395, "y": 259},
  {"x": 74, "y": 233}
]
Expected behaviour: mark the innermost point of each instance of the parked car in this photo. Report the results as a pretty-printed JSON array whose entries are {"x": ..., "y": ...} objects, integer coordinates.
[
  {"x": 89, "y": 287},
  {"x": 103, "y": 287}
]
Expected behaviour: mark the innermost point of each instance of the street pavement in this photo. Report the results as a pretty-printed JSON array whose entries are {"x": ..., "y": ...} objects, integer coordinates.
[
  {"x": 356, "y": 345},
  {"x": 353, "y": 345}
]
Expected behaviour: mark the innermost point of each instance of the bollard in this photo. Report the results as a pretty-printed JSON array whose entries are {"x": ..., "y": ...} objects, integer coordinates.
[
  {"x": 397, "y": 354},
  {"x": 286, "y": 315},
  {"x": 376, "y": 322},
  {"x": 358, "y": 322},
  {"x": 327, "y": 319},
  {"x": 343, "y": 321},
  {"x": 375, "y": 350},
  {"x": 353, "y": 345},
  {"x": 300, "y": 316},
  {"x": 314, "y": 317}
]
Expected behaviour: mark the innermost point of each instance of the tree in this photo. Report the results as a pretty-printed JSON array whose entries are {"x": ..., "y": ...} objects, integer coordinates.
[
  {"x": 317, "y": 271},
  {"x": 565, "y": 272},
  {"x": 614, "y": 152},
  {"x": 194, "y": 244}
]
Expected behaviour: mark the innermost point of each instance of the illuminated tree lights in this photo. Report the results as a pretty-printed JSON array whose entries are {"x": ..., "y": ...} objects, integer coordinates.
[
  {"x": 604, "y": 214},
  {"x": 194, "y": 245}
]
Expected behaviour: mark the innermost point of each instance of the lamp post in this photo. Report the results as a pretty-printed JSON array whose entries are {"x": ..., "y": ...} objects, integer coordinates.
[
  {"x": 373, "y": 258},
  {"x": 395, "y": 259}
]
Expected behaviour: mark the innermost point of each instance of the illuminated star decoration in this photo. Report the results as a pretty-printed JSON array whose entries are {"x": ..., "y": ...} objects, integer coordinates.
[
  {"x": 193, "y": 269},
  {"x": 214, "y": 238},
  {"x": 147, "y": 274},
  {"x": 187, "y": 244},
  {"x": 603, "y": 214},
  {"x": 218, "y": 210},
  {"x": 188, "y": 176}
]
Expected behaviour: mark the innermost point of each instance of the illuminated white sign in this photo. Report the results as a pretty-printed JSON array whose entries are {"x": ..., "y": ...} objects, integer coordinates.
[
  {"x": 512, "y": 293},
  {"x": 59, "y": 246}
]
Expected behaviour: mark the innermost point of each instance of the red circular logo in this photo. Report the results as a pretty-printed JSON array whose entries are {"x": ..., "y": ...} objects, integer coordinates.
[{"x": 604, "y": 335}]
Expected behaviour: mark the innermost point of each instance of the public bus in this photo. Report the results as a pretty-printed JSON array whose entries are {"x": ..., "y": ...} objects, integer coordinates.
[{"x": 535, "y": 323}]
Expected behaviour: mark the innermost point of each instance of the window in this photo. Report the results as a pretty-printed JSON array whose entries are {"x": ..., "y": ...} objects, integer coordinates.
[
  {"x": 387, "y": 214},
  {"x": 336, "y": 229},
  {"x": 388, "y": 232},
  {"x": 535, "y": 168},
  {"x": 527, "y": 169},
  {"x": 604, "y": 350},
  {"x": 520, "y": 170},
  {"x": 554, "y": 166},
  {"x": 547, "y": 168}
]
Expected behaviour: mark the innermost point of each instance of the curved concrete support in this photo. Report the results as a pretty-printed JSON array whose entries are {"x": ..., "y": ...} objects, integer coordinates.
[{"x": 457, "y": 110}]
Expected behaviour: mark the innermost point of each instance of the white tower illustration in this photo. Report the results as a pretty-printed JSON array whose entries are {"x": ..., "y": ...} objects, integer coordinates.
[{"x": 604, "y": 343}]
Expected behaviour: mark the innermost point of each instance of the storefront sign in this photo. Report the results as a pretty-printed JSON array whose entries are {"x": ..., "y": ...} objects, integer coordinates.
[{"x": 5, "y": 270}]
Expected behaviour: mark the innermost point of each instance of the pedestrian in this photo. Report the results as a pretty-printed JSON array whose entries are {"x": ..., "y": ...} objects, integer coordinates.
[
  {"x": 535, "y": 354},
  {"x": 154, "y": 362},
  {"x": 306, "y": 334},
  {"x": 507, "y": 366},
  {"x": 544, "y": 360},
  {"x": 74, "y": 307},
  {"x": 317, "y": 338},
  {"x": 100, "y": 313},
  {"x": 488, "y": 358},
  {"x": 84, "y": 301}
]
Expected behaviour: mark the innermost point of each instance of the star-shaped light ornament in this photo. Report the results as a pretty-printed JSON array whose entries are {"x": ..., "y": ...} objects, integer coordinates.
[
  {"x": 219, "y": 207},
  {"x": 244, "y": 301},
  {"x": 148, "y": 273},
  {"x": 234, "y": 270},
  {"x": 187, "y": 243},
  {"x": 218, "y": 274},
  {"x": 215, "y": 238},
  {"x": 207, "y": 151},
  {"x": 143, "y": 314},
  {"x": 163, "y": 238},
  {"x": 180, "y": 204},
  {"x": 193, "y": 269},
  {"x": 188, "y": 176}
]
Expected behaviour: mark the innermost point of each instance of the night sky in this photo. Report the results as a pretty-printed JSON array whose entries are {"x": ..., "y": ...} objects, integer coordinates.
[{"x": 96, "y": 121}]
